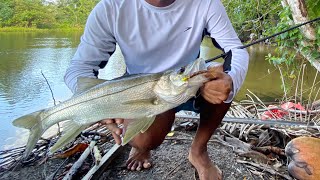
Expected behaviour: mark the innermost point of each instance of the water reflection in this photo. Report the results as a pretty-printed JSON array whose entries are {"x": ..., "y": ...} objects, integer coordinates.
[{"x": 23, "y": 89}]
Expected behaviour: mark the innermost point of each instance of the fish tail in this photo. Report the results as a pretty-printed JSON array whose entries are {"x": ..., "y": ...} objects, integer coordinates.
[{"x": 33, "y": 123}]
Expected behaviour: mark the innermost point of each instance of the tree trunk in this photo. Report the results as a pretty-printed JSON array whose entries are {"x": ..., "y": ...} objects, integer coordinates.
[{"x": 300, "y": 15}]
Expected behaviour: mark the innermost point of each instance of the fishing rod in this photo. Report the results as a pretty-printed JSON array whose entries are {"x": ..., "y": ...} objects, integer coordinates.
[{"x": 223, "y": 55}]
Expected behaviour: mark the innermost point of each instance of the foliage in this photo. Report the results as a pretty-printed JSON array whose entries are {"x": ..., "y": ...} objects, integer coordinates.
[
  {"x": 73, "y": 13},
  {"x": 6, "y": 12},
  {"x": 252, "y": 18},
  {"x": 255, "y": 19},
  {"x": 313, "y": 8},
  {"x": 288, "y": 44},
  {"x": 44, "y": 14}
]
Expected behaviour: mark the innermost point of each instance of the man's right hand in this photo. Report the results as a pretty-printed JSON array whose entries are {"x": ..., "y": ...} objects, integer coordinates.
[{"x": 112, "y": 125}]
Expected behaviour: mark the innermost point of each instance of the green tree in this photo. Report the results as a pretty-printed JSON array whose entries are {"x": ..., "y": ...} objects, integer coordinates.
[
  {"x": 32, "y": 13},
  {"x": 74, "y": 13},
  {"x": 6, "y": 12},
  {"x": 252, "y": 18}
]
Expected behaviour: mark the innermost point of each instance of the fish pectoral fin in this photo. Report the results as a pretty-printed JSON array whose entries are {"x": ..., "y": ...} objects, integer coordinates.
[
  {"x": 149, "y": 122},
  {"x": 72, "y": 130},
  {"x": 84, "y": 83},
  {"x": 135, "y": 127}
]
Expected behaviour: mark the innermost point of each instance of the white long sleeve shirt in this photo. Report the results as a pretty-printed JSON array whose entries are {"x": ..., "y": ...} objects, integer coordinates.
[{"x": 155, "y": 39}]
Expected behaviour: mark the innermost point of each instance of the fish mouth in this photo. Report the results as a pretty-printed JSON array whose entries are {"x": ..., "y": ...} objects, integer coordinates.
[{"x": 186, "y": 78}]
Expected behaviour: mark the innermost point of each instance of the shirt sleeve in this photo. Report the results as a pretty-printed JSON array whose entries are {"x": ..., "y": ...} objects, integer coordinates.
[
  {"x": 221, "y": 31},
  {"x": 96, "y": 46}
]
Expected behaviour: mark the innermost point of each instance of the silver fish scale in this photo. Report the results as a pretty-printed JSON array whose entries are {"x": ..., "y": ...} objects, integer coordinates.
[{"x": 93, "y": 106}]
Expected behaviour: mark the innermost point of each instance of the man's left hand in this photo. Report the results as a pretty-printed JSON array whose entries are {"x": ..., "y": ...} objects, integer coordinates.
[{"x": 218, "y": 88}]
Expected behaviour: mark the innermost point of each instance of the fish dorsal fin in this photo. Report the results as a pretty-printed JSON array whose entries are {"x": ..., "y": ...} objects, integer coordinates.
[{"x": 84, "y": 83}]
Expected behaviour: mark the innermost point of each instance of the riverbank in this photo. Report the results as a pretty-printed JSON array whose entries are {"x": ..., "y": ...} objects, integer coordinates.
[
  {"x": 243, "y": 149},
  {"x": 169, "y": 162},
  {"x": 22, "y": 29}
]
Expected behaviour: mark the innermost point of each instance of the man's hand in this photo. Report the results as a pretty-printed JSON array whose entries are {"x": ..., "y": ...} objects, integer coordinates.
[
  {"x": 218, "y": 88},
  {"x": 112, "y": 125}
]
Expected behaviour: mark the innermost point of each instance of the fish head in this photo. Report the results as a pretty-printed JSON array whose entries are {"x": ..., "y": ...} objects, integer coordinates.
[{"x": 178, "y": 86}]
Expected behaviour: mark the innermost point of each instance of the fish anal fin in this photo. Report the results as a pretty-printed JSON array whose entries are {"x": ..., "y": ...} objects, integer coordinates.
[
  {"x": 72, "y": 130},
  {"x": 135, "y": 127},
  {"x": 84, "y": 83}
]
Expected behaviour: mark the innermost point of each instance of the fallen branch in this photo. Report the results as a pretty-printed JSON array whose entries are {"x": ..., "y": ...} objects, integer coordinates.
[
  {"x": 96, "y": 170},
  {"x": 96, "y": 155},
  {"x": 264, "y": 168},
  {"x": 73, "y": 170}
]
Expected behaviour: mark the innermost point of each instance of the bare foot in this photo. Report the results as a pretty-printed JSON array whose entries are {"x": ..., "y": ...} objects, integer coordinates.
[
  {"x": 305, "y": 160},
  {"x": 206, "y": 169},
  {"x": 138, "y": 160}
]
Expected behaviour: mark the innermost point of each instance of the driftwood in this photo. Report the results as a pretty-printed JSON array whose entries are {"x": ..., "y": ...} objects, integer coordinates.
[
  {"x": 97, "y": 170},
  {"x": 79, "y": 162},
  {"x": 96, "y": 155}
]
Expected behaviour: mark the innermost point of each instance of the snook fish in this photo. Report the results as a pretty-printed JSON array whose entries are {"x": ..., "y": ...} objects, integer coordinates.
[{"x": 136, "y": 97}]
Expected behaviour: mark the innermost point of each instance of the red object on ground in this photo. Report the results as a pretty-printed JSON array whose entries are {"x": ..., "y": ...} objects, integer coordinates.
[
  {"x": 281, "y": 112},
  {"x": 291, "y": 105}
]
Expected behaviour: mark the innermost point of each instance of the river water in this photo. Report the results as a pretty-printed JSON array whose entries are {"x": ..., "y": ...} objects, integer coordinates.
[{"x": 23, "y": 89}]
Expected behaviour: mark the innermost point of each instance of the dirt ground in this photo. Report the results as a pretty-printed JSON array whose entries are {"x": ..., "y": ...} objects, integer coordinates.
[{"x": 169, "y": 162}]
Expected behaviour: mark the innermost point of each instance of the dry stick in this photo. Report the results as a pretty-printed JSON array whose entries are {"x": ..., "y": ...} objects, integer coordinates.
[
  {"x": 283, "y": 83},
  {"x": 315, "y": 98},
  {"x": 105, "y": 161},
  {"x": 301, "y": 85},
  {"x": 309, "y": 99},
  {"x": 54, "y": 100},
  {"x": 79, "y": 162},
  {"x": 259, "y": 117},
  {"x": 262, "y": 104},
  {"x": 284, "y": 87},
  {"x": 166, "y": 176},
  {"x": 264, "y": 168},
  {"x": 53, "y": 175},
  {"x": 296, "y": 92}
]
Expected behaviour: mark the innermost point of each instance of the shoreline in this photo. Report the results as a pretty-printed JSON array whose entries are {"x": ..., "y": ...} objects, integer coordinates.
[{"x": 24, "y": 30}]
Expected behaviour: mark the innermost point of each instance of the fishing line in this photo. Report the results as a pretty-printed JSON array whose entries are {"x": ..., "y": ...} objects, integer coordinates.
[{"x": 224, "y": 55}]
